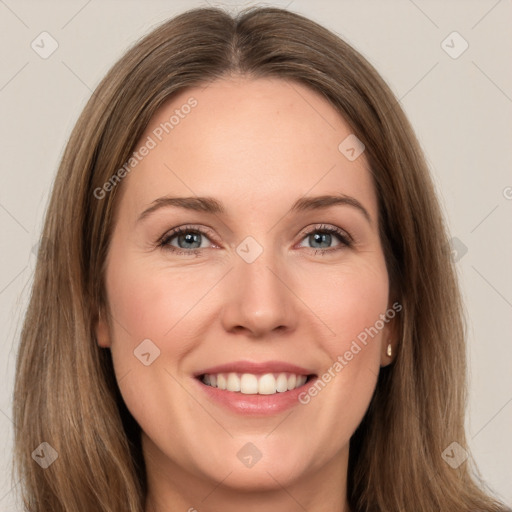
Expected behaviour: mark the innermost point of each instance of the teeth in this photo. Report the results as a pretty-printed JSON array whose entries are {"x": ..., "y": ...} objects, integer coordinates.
[
  {"x": 234, "y": 383},
  {"x": 248, "y": 384},
  {"x": 267, "y": 384},
  {"x": 251, "y": 384},
  {"x": 221, "y": 381},
  {"x": 282, "y": 383},
  {"x": 292, "y": 380}
]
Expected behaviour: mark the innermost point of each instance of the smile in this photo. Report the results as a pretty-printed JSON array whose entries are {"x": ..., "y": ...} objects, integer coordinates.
[
  {"x": 253, "y": 388},
  {"x": 255, "y": 384}
]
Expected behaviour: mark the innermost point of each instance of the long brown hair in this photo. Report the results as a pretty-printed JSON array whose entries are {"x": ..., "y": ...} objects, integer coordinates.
[{"x": 66, "y": 394}]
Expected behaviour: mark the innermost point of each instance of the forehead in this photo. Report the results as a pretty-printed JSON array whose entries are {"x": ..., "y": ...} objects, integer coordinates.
[{"x": 268, "y": 141}]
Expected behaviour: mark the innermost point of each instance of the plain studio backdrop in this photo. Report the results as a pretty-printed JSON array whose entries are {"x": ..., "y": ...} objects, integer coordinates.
[{"x": 446, "y": 61}]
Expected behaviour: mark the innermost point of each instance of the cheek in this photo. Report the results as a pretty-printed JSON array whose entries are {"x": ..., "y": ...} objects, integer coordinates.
[
  {"x": 149, "y": 309},
  {"x": 349, "y": 300},
  {"x": 150, "y": 303},
  {"x": 351, "y": 303}
]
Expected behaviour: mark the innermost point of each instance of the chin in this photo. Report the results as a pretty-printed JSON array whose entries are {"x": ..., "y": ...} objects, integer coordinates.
[{"x": 261, "y": 477}]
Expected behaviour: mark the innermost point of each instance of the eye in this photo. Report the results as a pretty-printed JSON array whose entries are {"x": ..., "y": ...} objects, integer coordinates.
[
  {"x": 322, "y": 236},
  {"x": 187, "y": 240},
  {"x": 190, "y": 240}
]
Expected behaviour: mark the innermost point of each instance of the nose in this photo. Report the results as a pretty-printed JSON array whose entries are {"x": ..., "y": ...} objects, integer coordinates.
[{"x": 258, "y": 298}]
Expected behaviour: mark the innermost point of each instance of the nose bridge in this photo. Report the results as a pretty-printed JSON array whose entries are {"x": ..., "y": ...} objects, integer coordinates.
[{"x": 258, "y": 299}]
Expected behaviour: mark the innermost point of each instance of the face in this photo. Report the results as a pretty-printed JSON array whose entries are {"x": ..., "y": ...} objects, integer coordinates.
[{"x": 257, "y": 287}]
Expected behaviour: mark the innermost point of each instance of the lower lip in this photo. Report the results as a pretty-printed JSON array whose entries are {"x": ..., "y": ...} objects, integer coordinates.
[{"x": 255, "y": 405}]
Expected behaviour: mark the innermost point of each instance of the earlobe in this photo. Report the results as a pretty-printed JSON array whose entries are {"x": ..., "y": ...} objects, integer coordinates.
[{"x": 102, "y": 332}]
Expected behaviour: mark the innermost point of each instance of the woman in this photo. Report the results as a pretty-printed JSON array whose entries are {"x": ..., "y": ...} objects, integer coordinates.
[{"x": 310, "y": 355}]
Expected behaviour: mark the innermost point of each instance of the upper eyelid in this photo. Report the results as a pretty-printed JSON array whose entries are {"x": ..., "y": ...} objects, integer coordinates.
[{"x": 179, "y": 229}]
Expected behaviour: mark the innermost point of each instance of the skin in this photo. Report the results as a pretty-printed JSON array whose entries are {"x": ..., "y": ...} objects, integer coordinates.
[{"x": 256, "y": 145}]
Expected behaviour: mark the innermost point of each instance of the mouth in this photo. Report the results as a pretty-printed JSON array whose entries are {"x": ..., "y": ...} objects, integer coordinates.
[
  {"x": 254, "y": 389},
  {"x": 255, "y": 384}
]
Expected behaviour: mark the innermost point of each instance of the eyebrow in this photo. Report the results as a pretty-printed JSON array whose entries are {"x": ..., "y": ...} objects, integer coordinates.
[{"x": 213, "y": 206}]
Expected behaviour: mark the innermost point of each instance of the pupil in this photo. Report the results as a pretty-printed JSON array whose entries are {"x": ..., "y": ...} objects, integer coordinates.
[
  {"x": 189, "y": 238},
  {"x": 318, "y": 237}
]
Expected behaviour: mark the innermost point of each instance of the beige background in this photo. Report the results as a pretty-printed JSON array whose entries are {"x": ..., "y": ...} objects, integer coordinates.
[{"x": 460, "y": 108}]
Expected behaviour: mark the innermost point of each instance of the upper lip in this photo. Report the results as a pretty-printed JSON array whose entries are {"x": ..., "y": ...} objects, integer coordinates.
[{"x": 255, "y": 368}]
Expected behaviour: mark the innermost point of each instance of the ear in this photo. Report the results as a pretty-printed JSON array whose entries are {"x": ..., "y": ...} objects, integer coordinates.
[
  {"x": 389, "y": 342},
  {"x": 102, "y": 331}
]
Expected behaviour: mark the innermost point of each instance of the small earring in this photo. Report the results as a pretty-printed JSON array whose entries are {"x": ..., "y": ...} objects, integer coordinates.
[{"x": 389, "y": 351}]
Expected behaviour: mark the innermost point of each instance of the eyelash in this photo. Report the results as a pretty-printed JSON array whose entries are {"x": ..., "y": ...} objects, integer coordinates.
[{"x": 345, "y": 239}]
